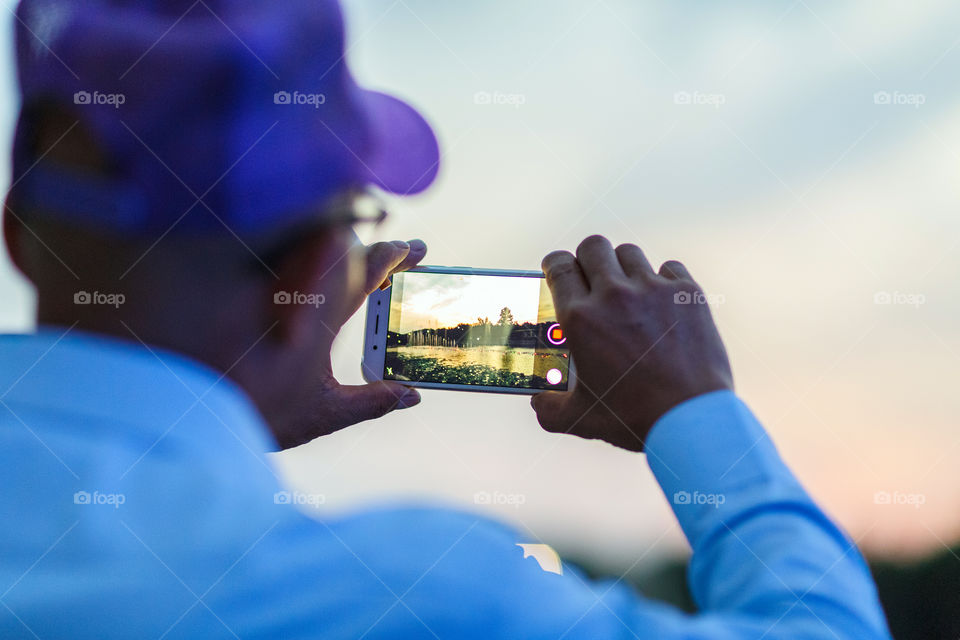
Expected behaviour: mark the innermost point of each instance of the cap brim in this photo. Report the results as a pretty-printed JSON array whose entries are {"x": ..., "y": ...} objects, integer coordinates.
[{"x": 405, "y": 156}]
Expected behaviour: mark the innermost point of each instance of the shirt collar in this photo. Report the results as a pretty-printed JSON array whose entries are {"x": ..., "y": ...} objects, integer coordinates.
[{"x": 151, "y": 390}]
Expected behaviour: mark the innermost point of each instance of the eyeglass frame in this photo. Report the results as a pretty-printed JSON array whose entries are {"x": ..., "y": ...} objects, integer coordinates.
[{"x": 339, "y": 212}]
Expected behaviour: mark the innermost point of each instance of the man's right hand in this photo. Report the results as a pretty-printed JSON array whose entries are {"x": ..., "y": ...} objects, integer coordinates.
[{"x": 643, "y": 342}]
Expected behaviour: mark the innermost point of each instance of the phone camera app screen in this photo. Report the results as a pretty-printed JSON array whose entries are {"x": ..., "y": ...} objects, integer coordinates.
[{"x": 479, "y": 330}]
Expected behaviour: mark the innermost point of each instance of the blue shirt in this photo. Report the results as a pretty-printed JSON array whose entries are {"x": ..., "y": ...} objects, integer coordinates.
[{"x": 137, "y": 503}]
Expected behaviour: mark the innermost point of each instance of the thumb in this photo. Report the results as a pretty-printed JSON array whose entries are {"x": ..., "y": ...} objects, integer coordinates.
[
  {"x": 373, "y": 400},
  {"x": 382, "y": 259},
  {"x": 553, "y": 410}
]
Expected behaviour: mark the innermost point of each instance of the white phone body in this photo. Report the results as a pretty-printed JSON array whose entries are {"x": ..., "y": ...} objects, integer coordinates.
[{"x": 375, "y": 335}]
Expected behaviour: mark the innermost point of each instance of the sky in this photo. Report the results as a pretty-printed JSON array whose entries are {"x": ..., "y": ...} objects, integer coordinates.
[
  {"x": 445, "y": 300},
  {"x": 800, "y": 156}
]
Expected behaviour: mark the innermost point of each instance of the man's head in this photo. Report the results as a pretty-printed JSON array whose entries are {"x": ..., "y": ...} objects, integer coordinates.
[{"x": 166, "y": 189}]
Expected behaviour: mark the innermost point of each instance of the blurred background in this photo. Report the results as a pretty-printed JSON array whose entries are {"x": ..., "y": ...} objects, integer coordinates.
[{"x": 800, "y": 156}]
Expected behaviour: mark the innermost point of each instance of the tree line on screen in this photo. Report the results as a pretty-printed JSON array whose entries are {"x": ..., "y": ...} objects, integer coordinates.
[{"x": 505, "y": 331}]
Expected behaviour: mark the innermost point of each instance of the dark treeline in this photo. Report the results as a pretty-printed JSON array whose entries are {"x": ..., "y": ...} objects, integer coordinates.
[{"x": 478, "y": 334}]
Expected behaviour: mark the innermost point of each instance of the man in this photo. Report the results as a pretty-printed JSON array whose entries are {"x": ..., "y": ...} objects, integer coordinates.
[{"x": 176, "y": 166}]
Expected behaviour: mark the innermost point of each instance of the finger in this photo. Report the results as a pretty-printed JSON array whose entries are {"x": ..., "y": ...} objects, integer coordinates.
[
  {"x": 552, "y": 409},
  {"x": 564, "y": 278},
  {"x": 633, "y": 262},
  {"x": 382, "y": 259},
  {"x": 598, "y": 261},
  {"x": 418, "y": 251},
  {"x": 673, "y": 270},
  {"x": 376, "y": 399}
]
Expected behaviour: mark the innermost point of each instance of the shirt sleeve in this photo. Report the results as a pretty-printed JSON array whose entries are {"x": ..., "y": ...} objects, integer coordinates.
[
  {"x": 764, "y": 554},
  {"x": 767, "y": 562}
]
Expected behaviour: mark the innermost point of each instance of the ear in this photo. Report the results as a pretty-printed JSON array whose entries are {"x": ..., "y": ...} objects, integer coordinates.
[{"x": 303, "y": 300}]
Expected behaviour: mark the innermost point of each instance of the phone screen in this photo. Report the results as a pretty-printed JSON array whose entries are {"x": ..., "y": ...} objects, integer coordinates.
[{"x": 476, "y": 330}]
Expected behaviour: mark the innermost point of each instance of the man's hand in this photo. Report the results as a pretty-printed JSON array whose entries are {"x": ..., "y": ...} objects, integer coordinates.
[
  {"x": 643, "y": 342},
  {"x": 332, "y": 406}
]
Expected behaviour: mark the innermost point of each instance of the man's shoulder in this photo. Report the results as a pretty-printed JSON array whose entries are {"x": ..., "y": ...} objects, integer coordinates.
[
  {"x": 399, "y": 535},
  {"x": 368, "y": 569},
  {"x": 388, "y": 548}
]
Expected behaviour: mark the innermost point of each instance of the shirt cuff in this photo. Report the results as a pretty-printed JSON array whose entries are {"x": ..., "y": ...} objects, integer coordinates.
[{"x": 709, "y": 455}]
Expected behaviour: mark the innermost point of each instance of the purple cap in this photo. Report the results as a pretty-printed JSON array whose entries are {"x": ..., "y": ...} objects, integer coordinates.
[{"x": 213, "y": 112}]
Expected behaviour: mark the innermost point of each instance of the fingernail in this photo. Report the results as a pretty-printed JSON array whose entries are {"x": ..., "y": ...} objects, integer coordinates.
[
  {"x": 417, "y": 245},
  {"x": 400, "y": 244},
  {"x": 408, "y": 399}
]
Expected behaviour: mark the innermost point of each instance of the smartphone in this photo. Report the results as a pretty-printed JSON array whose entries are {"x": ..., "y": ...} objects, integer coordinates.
[{"x": 467, "y": 329}]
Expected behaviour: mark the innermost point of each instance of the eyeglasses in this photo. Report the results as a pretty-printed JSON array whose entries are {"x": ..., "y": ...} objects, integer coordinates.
[
  {"x": 355, "y": 207},
  {"x": 349, "y": 209}
]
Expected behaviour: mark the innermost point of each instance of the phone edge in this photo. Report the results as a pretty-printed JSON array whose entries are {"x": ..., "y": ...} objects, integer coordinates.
[{"x": 368, "y": 357}]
